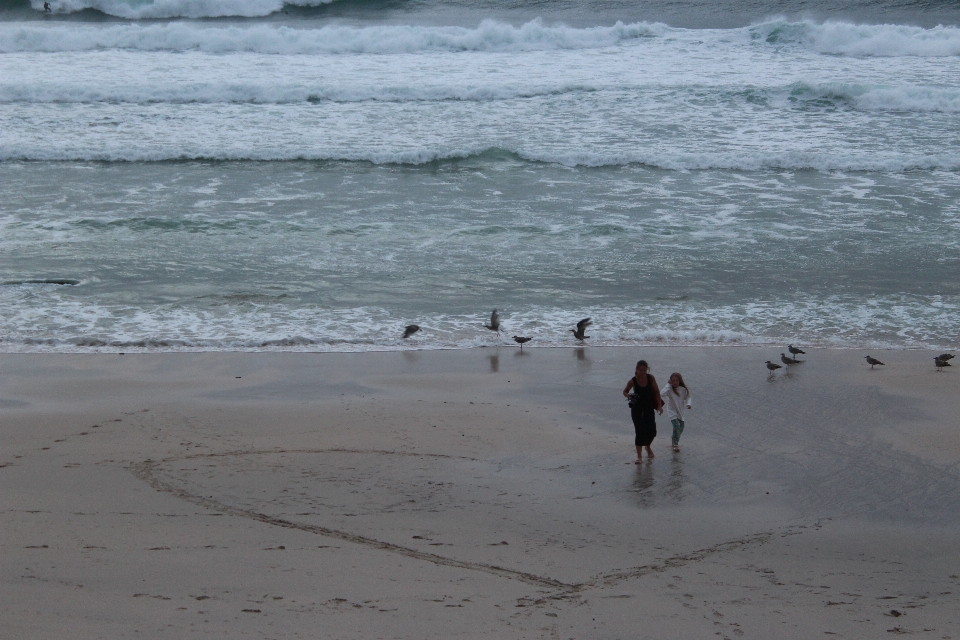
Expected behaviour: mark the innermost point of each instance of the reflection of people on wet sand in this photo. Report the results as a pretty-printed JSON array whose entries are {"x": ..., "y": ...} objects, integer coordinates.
[
  {"x": 644, "y": 398},
  {"x": 676, "y": 397}
]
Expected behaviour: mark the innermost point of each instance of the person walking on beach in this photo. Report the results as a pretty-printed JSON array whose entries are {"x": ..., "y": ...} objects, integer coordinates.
[
  {"x": 676, "y": 397},
  {"x": 644, "y": 397}
]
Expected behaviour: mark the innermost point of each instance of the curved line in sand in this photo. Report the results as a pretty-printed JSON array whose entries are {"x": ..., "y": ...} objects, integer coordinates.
[{"x": 146, "y": 471}]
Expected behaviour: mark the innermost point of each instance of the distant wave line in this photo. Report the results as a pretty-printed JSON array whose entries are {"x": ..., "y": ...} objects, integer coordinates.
[
  {"x": 679, "y": 161},
  {"x": 917, "y": 99}
]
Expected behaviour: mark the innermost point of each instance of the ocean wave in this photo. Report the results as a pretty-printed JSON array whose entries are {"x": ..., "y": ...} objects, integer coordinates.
[
  {"x": 669, "y": 160},
  {"x": 873, "y": 98},
  {"x": 258, "y": 93},
  {"x": 177, "y": 8},
  {"x": 339, "y": 39},
  {"x": 800, "y": 94},
  {"x": 862, "y": 40}
]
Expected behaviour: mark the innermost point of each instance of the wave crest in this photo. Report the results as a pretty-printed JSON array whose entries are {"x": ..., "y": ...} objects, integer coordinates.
[
  {"x": 862, "y": 40},
  {"x": 339, "y": 39},
  {"x": 177, "y": 8}
]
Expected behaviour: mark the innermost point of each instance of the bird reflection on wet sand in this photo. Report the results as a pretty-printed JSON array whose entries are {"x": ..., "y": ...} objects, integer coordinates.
[
  {"x": 494, "y": 362},
  {"x": 581, "y": 354}
]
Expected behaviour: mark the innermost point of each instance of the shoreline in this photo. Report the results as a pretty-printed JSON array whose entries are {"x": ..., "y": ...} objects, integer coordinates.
[{"x": 277, "y": 493}]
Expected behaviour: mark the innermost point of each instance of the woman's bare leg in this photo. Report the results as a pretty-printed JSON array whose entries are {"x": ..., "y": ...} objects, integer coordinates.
[{"x": 649, "y": 451}]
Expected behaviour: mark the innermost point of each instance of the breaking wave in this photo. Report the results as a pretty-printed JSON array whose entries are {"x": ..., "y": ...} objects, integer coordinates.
[{"x": 862, "y": 40}]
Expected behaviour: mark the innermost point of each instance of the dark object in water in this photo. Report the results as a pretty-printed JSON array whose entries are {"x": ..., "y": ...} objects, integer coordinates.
[
  {"x": 786, "y": 360},
  {"x": 410, "y": 330},
  {"x": 578, "y": 333},
  {"x": 69, "y": 281},
  {"x": 494, "y": 322},
  {"x": 873, "y": 361},
  {"x": 520, "y": 340}
]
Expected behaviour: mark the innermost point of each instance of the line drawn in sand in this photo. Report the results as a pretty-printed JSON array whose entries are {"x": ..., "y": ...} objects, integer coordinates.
[{"x": 146, "y": 471}]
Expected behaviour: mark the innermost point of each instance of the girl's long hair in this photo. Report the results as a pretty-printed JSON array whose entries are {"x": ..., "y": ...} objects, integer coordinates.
[{"x": 682, "y": 383}]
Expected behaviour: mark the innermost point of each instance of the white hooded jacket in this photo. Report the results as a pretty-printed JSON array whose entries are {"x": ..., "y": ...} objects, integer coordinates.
[{"x": 675, "y": 401}]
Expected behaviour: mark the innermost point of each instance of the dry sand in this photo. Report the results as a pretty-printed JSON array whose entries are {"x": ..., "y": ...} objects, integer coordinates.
[{"x": 477, "y": 493}]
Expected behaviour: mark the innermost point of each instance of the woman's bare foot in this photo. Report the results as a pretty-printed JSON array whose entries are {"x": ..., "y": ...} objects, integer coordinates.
[
  {"x": 638, "y": 461},
  {"x": 649, "y": 452}
]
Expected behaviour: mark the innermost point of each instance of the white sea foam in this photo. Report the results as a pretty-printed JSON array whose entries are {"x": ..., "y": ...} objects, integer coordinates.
[
  {"x": 863, "y": 40},
  {"x": 338, "y": 39},
  {"x": 177, "y": 8}
]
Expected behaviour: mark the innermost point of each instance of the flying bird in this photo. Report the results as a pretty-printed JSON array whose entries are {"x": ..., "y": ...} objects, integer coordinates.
[
  {"x": 795, "y": 351},
  {"x": 940, "y": 363},
  {"x": 494, "y": 322},
  {"x": 873, "y": 361},
  {"x": 785, "y": 360},
  {"x": 773, "y": 367},
  {"x": 520, "y": 340},
  {"x": 581, "y": 328},
  {"x": 410, "y": 330}
]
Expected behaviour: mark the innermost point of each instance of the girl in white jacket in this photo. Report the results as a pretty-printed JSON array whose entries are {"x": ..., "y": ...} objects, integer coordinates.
[{"x": 676, "y": 398}]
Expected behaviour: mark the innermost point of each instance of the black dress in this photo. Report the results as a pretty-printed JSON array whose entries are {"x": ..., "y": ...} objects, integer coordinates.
[{"x": 642, "y": 410}]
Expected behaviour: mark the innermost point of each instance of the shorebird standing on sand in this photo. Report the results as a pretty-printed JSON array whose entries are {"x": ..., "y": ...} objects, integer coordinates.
[
  {"x": 520, "y": 340},
  {"x": 494, "y": 322},
  {"x": 785, "y": 360},
  {"x": 581, "y": 328},
  {"x": 795, "y": 351},
  {"x": 941, "y": 363},
  {"x": 873, "y": 361},
  {"x": 410, "y": 330},
  {"x": 772, "y": 367}
]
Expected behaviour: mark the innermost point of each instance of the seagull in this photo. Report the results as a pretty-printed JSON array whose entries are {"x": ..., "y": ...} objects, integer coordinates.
[
  {"x": 785, "y": 360},
  {"x": 872, "y": 361},
  {"x": 410, "y": 330},
  {"x": 520, "y": 340},
  {"x": 940, "y": 363},
  {"x": 945, "y": 356},
  {"x": 773, "y": 367},
  {"x": 494, "y": 322},
  {"x": 792, "y": 349},
  {"x": 581, "y": 328}
]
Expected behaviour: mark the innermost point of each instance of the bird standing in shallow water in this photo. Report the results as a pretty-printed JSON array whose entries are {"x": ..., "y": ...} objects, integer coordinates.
[
  {"x": 772, "y": 367},
  {"x": 410, "y": 330},
  {"x": 795, "y": 351},
  {"x": 494, "y": 322},
  {"x": 785, "y": 360},
  {"x": 873, "y": 361},
  {"x": 520, "y": 340},
  {"x": 578, "y": 333},
  {"x": 940, "y": 363}
]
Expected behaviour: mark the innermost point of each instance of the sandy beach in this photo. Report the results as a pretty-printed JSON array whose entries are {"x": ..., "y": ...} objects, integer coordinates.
[{"x": 476, "y": 493}]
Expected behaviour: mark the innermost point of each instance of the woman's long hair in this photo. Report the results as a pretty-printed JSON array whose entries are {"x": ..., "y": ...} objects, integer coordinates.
[{"x": 682, "y": 383}]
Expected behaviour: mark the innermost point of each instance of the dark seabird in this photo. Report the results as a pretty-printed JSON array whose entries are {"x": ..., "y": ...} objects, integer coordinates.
[
  {"x": 945, "y": 356},
  {"x": 773, "y": 367},
  {"x": 494, "y": 322},
  {"x": 581, "y": 327},
  {"x": 520, "y": 340},
  {"x": 410, "y": 330},
  {"x": 785, "y": 360},
  {"x": 873, "y": 361},
  {"x": 941, "y": 363},
  {"x": 792, "y": 349}
]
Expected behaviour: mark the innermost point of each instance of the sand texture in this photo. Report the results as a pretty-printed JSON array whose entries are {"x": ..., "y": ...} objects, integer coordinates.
[{"x": 480, "y": 493}]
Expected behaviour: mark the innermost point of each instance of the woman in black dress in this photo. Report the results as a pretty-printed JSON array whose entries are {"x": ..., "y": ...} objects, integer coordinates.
[{"x": 644, "y": 396}]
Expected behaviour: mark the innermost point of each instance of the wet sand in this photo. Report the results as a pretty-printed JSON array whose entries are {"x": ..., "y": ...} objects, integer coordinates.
[{"x": 479, "y": 493}]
